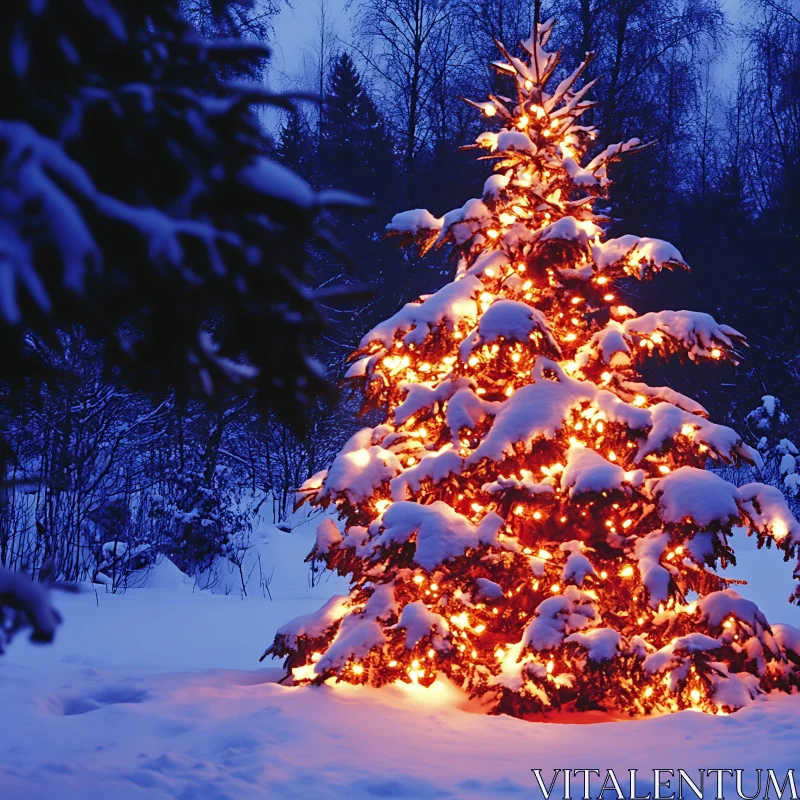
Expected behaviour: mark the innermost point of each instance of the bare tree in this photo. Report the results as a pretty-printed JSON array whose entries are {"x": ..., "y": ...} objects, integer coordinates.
[{"x": 409, "y": 45}]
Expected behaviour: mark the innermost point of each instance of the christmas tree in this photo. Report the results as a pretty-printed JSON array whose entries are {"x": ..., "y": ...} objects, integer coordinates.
[{"x": 533, "y": 521}]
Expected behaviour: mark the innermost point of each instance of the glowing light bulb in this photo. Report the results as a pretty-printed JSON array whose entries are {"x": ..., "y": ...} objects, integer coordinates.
[
  {"x": 612, "y": 456},
  {"x": 545, "y": 555},
  {"x": 648, "y": 692},
  {"x": 626, "y": 572},
  {"x": 687, "y": 430},
  {"x": 431, "y": 653},
  {"x": 392, "y": 663},
  {"x": 695, "y": 695},
  {"x": 490, "y": 111},
  {"x": 519, "y": 510},
  {"x": 537, "y": 514},
  {"x": 603, "y": 574},
  {"x": 492, "y": 233},
  {"x": 418, "y": 579},
  {"x": 550, "y": 666},
  {"x": 523, "y": 121},
  {"x": 605, "y": 377},
  {"x": 639, "y": 400},
  {"x": 602, "y": 280},
  {"x": 315, "y": 657},
  {"x": 663, "y": 469},
  {"x": 570, "y": 337},
  {"x": 555, "y": 588},
  {"x": 608, "y": 297},
  {"x": 360, "y": 458},
  {"x": 529, "y": 84},
  {"x": 382, "y": 505},
  {"x": 358, "y": 669},
  {"x": 715, "y": 353}
]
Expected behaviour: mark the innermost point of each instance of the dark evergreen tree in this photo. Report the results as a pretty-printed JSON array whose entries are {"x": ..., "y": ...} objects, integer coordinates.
[
  {"x": 356, "y": 149},
  {"x": 295, "y": 147}
]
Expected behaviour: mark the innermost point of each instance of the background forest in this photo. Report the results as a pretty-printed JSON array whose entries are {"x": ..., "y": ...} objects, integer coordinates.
[{"x": 105, "y": 478}]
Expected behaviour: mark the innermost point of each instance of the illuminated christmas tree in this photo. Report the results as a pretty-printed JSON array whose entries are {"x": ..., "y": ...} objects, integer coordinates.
[{"x": 533, "y": 521}]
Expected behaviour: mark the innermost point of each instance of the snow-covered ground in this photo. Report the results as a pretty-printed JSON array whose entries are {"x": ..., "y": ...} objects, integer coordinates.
[{"x": 158, "y": 693}]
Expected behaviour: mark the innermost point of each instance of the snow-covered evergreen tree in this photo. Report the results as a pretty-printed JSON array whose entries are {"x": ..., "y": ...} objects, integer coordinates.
[{"x": 532, "y": 520}]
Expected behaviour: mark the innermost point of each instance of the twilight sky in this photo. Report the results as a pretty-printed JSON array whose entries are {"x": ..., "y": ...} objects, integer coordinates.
[{"x": 296, "y": 28}]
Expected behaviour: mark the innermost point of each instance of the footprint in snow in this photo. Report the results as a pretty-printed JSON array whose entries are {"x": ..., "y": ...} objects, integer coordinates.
[{"x": 70, "y": 705}]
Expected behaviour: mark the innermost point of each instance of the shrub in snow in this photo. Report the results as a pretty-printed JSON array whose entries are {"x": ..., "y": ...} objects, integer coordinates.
[
  {"x": 531, "y": 519},
  {"x": 780, "y": 456},
  {"x": 202, "y": 518}
]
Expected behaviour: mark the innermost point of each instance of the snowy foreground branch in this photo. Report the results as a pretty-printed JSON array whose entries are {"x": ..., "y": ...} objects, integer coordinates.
[{"x": 25, "y": 604}]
